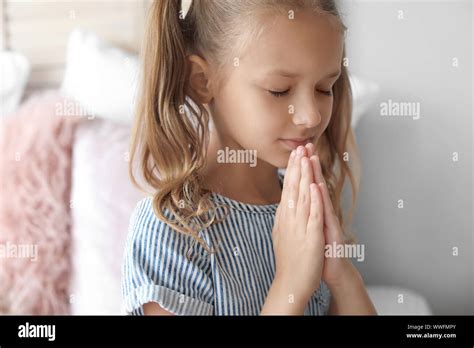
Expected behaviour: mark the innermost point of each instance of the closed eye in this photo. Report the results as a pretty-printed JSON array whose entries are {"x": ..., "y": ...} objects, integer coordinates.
[
  {"x": 279, "y": 94},
  {"x": 283, "y": 93},
  {"x": 328, "y": 93}
]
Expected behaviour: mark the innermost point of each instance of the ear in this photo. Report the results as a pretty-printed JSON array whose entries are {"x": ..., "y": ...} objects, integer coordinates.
[{"x": 199, "y": 81}]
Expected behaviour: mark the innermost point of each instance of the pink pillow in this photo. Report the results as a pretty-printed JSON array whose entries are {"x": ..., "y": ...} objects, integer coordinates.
[
  {"x": 36, "y": 144},
  {"x": 103, "y": 199}
]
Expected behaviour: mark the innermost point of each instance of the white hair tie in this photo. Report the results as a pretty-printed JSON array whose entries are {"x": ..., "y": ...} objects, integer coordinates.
[{"x": 185, "y": 4}]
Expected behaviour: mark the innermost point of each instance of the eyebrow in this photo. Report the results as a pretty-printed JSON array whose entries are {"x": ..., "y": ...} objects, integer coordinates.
[{"x": 285, "y": 73}]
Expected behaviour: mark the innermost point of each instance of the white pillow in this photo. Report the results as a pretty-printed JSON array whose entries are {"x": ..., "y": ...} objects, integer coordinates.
[
  {"x": 363, "y": 95},
  {"x": 14, "y": 72},
  {"x": 101, "y": 77},
  {"x": 386, "y": 300}
]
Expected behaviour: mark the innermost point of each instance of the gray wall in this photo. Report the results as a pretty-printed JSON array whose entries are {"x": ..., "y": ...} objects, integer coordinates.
[{"x": 409, "y": 159}]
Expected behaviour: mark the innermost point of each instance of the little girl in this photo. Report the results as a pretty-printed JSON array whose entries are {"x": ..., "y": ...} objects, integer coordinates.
[{"x": 224, "y": 233}]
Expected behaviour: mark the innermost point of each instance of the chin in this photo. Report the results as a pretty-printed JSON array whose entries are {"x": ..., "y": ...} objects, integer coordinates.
[
  {"x": 280, "y": 161},
  {"x": 276, "y": 157}
]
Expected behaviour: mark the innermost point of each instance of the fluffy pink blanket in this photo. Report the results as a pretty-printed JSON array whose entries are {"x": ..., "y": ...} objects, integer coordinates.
[{"x": 35, "y": 180}]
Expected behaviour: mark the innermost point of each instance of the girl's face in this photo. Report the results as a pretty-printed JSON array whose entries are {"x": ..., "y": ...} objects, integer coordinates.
[{"x": 279, "y": 94}]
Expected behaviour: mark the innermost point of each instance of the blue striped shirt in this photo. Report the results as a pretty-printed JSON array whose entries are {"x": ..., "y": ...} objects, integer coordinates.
[{"x": 233, "y": 281}]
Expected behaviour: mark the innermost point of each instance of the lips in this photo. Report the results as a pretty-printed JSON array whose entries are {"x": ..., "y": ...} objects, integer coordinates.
[{"x": 293, "y": 143}]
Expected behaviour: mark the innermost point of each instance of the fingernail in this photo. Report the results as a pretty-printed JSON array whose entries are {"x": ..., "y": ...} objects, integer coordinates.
[
  {"x": 292, "y": 154},
  {"x": 300, "y": 150}
]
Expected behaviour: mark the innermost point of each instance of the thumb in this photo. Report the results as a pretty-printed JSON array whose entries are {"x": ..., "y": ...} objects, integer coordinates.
[{"x": 331, "y": 221}]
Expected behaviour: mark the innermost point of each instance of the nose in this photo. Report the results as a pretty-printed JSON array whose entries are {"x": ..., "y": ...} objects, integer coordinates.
[{"x": 307, "y": 113}]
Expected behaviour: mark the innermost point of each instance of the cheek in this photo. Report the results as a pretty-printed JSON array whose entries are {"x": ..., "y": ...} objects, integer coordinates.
[
  {"x": 325, "y": 104},
  {"x": 263, "y": 116},
  {"x": 325, "y": 110},
  {"x": 328, "y": 114},
  {"x": 273, "y": 123}
]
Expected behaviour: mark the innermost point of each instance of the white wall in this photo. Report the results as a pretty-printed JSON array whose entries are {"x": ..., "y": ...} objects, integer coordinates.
[{"x": 403, "y": 158}]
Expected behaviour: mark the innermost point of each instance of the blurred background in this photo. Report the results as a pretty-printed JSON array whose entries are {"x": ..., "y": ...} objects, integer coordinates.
[
  {"x": 69, "y": 73},
  {"x": 417, "y": 52}
]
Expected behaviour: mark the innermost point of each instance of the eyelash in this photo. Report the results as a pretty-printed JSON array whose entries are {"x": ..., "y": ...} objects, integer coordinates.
[{"x": 281, "y": 94}]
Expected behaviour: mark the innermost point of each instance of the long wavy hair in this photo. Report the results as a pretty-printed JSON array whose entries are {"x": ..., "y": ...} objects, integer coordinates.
[{"x": 171, "y": 129}]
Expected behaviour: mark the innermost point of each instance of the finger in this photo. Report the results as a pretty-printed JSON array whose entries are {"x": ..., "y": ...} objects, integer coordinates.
[
  {"x": 295, "y": 179},
  {"x": 330, "y": 218},
  {"x": 292, "y": 185},
  {"x": 276, "y": 220},
  {"x": 304, "y": 199},
  {"x": 286, "y": 179},
  {"x": 315, "y": 221},
  {"x": 309, "y": 149},
  {"x": 318, "y": 173}
]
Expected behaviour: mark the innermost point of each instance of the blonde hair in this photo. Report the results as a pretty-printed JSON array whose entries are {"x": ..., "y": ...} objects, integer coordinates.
[{"x": 171, "y": 134}]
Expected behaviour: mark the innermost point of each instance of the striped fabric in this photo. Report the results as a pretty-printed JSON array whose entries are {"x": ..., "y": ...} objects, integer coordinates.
[{"x": 234, "y": 281}]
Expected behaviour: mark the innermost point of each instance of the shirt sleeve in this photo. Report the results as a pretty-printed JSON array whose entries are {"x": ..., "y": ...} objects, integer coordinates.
[
  {"x": 155, "y": 267},
  {"x": 324, "y": 298}
]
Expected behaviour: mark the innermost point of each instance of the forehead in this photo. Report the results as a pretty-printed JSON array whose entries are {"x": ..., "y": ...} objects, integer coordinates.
[{"x": 308, "y": 43}]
